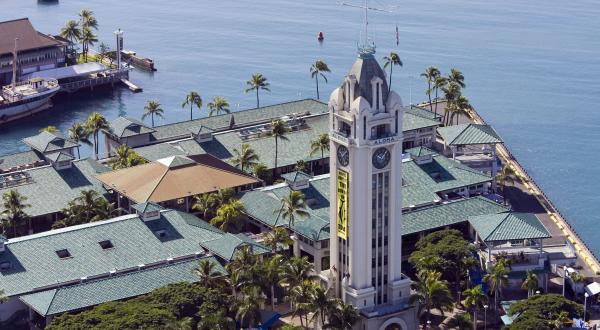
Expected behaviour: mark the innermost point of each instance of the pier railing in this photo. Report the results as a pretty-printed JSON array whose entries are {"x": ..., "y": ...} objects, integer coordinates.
[
  {"x": 113, "y": 76},
  {"x": 547, "y": 200}
]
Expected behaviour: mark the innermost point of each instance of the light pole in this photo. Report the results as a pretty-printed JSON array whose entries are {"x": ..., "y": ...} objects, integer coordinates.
[
  {"x": 564, "y": 279},
  {"x": 585, "y": 295},
  {"x": 485, "y": 307}
]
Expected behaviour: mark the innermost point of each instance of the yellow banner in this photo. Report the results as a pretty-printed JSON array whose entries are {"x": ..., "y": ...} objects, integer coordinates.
[{"x": 342, "y": 204}]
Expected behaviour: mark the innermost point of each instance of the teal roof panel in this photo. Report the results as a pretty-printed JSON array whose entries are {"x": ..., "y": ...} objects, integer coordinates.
[
  {"x": 467, "y": 134},
  {"x": 509, "y": 226}
]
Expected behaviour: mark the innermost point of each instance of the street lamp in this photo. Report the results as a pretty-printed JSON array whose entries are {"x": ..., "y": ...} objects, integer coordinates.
[
  {"x": 485, "y": 307},
  {"x": 564, "y": 279},
  {"x": 585, "y": 295},
  {"x": 428, "y": 324},
  {"x": 537, "y": 292}
]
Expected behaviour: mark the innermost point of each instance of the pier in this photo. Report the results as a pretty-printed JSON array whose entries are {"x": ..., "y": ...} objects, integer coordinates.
[{"x": 132, "y": 87}]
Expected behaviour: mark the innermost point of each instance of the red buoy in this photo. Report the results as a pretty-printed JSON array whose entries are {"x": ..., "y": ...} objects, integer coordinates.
[{"x": 320, "y": 36}]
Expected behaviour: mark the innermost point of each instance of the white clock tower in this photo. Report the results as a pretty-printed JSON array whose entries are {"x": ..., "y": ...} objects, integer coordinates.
[{"x": 366, "y": 196}]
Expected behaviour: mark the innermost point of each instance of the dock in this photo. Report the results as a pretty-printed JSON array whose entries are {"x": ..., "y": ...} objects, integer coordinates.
[{"x": 132, "y": 87}]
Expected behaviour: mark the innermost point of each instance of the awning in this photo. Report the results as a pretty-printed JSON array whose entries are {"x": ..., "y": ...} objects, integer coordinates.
[
  {"x": 68, "y": 71},
  {"x": 593, "y": 289}
]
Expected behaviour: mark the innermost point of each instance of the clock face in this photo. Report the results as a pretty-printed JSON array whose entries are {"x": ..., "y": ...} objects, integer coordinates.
[
  {"x": 381, "y": 157},
  {"x": 343, "y": 155}
]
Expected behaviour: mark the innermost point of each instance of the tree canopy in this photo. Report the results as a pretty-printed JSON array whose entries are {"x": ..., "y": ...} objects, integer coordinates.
[{"x": 538, "y": 311}]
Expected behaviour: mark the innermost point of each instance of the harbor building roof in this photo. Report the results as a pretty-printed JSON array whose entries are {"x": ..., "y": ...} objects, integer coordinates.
[
  {"x": 467, "y": 134},
  {"x": 20, "y": 159},
  {"x": 49, "y": 190},
  {"x": 298, "y": 146},
  {"x": 175, "y": 177},
  {"x": 46, "y": 142},
  {"x": 106, "y": 249},
  {"x": 509, "y": 226},
  {"x": 446, "y": 214},
  {"x": 126, "y": 127},
  {"x": 116, "y": 287},
  {"x": 71, "y": 71},
  {"x": 29, "y": 38}
]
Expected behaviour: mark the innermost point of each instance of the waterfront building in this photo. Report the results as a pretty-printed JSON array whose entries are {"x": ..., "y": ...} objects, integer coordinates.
[
  {"x": 50, "y": 188},
  {"x": 36, "y": 51},
  {"x": 73, "y": 268},
  {"x": 174, "y": 181},
  {"x": 473, "y": 145}
]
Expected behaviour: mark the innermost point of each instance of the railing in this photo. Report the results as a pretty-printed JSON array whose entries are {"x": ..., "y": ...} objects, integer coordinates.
[{"x": 114, "y": 76}]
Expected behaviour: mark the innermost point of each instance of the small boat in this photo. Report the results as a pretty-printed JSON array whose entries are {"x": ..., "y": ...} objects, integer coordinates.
[{"x": 320, "y": 36}]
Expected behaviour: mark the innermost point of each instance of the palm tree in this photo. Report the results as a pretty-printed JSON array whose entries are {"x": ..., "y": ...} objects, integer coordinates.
[
  {"x": 320, "y": 143},
  {"x": 246, "y": 158},
  {"x": 87, "y": 19},
  {"x": 228, "y": 216},
  {"x": 278, "y": 131},
  {"x": 451, "y": 93},
  {"x": 71, "y": 32},
  {"x": 49, "y": 129},
  {"x": 223, "y": 196},
  {"x": 14, "y": 205},
  {"x": 296, "y": 270},
  {"x": 530, "y": 283},
  {"x": 125, "y": 157},
  {"x": 318, "y": 69},
  {"x": 248, "y": 308},
  {"x": 79, "y": 134},
  {"x": 431, "y": 293},
  {"x": 269, "y": 273},
  {"x": 391, "y": 60},
  {"x": 439, "y": 83},
  {"x": 257, "y": 82},
  {"x": 261, "y": 171},
  {"x": 497, "y": 278},
  {"x": 217, "y": 106},
  {"x": 193, "y": 98},
  {"x": 300, "y": 166},
  {"x": 88, "y": 38},
  {"x": 103, "y": 50},
  {"x": 235, "y": 280},
  {"x": 277, "y": 237},
  {"x": 504, "y": 177},
  {"x": 343, "y": 316},
  {"x": 207, "y": 274},
  {"x": 298, "y": 297},
  {"x": 562, "y": 319},
  {"x": 475, "y": 297},
  {"x": 153, "y": 108},
  {"x": 457, "y": 77},
  {"x": 321, "y": 304},
  {"x": 461, "y": 321},
  {"x": 293, "y": 205},
  {"x": 205, "y": 204},
  {"x": 94, "y": 124},
  {"x": 430, "y": 74},
  {"x": 462, "y": 107}
]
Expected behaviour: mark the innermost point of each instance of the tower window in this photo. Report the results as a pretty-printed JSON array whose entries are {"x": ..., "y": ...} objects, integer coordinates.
[
  {"x": 377, "y": 95},
  {"x": 396, "y": 121},
  {"x": 364, "y": 127}
]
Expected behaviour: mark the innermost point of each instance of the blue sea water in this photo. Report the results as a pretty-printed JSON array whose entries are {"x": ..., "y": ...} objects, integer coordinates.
[{"x": 532, "y": 68}]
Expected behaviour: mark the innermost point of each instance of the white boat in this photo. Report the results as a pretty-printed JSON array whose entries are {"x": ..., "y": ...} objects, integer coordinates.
[{"x": 24, "y": 98}]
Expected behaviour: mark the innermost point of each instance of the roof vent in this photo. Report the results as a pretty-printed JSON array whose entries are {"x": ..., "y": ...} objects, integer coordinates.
[
  {"x": 106, "y": 245},
  {"x": 83, "y": 279},
  {"x": 141, "y": 266},
  {"x": 112, "y": 272},
  {"x": 202, "y": 133},
  {"x": 169, "y": 260},
  {"x": 297, "y": 180},
  {"x": 147, "y": 211},
  {"x": 63, "y": 254}
]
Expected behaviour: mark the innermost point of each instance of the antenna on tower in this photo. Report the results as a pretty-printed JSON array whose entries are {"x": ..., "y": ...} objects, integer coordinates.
[{"x": 365, "y": 48}]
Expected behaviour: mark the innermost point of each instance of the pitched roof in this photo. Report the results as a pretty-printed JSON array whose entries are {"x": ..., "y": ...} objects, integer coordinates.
[
  {"x": 50, "y": 190},
  {"x": 423, "y": 112},
  {"x": 117, "y": 287},
  {"x": 466, "y": 134},
  {"x": 146, "y": 207},
  {"x": 20, "y": 159},
  {"x": 176, "y": 177},
  {"x": 227, "y": 245},
  {"x": 49, "y": 141},
  {"x": 28, "y": 37},
  {"x": 296, "y": 176},
  {"x": 126, "y": 127},
  {"x": 59, "y": 156},
  {"x": 509, "y": 226},
  {"x": 442, "y": 215},
  {"x": 420, "y": 152},
  {"x": 365, "y": 68},
  {"x": 36, "y": 266},
  {"x": 196, "y": 130}
]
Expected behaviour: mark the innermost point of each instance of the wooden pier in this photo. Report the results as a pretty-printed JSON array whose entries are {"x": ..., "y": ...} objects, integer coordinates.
[{"x": 132, "y": 87}]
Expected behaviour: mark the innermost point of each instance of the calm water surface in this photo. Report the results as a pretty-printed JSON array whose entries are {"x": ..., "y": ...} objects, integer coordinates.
[{"x": 531, "y": 67}]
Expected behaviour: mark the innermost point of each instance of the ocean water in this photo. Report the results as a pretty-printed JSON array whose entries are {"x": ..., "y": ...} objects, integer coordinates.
[{"x": 532, "y": 68}]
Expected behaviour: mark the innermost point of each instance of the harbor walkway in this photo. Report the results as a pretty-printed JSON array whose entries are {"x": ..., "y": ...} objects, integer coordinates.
[{"x": 526, "y": 196}]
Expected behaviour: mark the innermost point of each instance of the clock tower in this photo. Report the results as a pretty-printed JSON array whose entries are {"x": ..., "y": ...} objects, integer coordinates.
[{"x": 366, "y": 196}]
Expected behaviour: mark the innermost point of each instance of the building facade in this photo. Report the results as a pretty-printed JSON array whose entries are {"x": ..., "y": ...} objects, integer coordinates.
[{"x": 366, "y": 203}]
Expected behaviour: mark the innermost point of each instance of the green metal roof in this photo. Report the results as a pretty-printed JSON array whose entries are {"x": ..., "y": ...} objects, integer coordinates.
[
  {"x": 467, "y": 134},
  {"x": 125, "y": 127},
  {"x": 60, "y": 156},
  {"x": 227, "y": 245},
  {"x": 423, "y": 112},
  {"x": 20, "y": 158},
  {"x": 420, "y": 151},
  {"x": 296, "y": 176},
  {"x": 147, "y": 207},
  {"x": 509, "y": 226},
  {"x": 240, "y": 118},
  {"x": 35, "y": 265},
  {"x": 49, "y": 141},
  {"x": 51, "y": 190},
  {"x": 159, "y": 151},
  {"x": 116, "y": 287},
  {"x": 441, "y": 215}
]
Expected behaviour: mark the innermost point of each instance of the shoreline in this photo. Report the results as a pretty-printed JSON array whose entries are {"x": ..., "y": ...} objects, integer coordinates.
[{"x": 583, "y": 251}]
